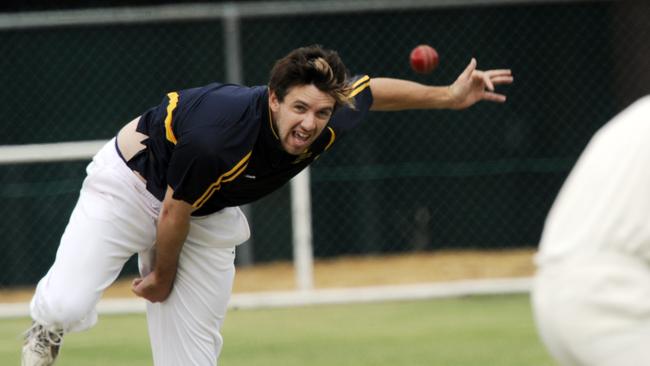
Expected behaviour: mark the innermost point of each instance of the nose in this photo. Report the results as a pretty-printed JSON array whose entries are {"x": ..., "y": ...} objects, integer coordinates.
[{"x": 309, "y": 122}]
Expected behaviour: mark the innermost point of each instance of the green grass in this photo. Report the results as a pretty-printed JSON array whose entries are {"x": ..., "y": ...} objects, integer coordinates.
[{"x": 481, "y": 331}]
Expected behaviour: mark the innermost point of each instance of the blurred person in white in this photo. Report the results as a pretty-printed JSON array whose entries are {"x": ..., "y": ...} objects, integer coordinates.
[
  {"x": 169, "y": 185},
  {"x": 591, "y": 293}
]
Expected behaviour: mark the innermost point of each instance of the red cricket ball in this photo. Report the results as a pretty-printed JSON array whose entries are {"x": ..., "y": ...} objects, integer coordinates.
[{"x": 424, "y": 59}]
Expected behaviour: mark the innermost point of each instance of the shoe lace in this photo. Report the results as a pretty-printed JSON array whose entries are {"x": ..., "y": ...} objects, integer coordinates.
[{"x": 46, "y": 342}]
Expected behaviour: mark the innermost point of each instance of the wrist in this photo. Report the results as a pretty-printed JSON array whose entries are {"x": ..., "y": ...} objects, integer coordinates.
[
  {"x": 163, "y": 276},
  {"x": 440, "y": 97},
  {"x": 452, "y": 98}
]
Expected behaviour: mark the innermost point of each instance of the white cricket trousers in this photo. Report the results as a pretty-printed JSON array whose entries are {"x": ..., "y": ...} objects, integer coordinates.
[
  {"x": 115, "y": 217},
  {"x": 595, "y": 310}
]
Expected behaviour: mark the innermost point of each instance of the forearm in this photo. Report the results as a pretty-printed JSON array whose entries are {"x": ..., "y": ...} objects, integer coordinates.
[
  {"x": 396, "y": 94},
  {"x": 172, "y": 231}
]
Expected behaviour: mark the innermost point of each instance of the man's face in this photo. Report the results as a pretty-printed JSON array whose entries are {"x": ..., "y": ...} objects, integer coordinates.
[{"x": 301, "y": 117}]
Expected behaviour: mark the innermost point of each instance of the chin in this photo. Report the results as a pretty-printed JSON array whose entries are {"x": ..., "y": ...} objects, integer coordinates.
[
  {"x": 290, "y": 150},
  {"x": 295, "y": 150}
]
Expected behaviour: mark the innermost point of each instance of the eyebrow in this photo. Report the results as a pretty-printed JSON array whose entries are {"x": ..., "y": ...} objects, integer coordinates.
[{"x": 303, "y": 103}]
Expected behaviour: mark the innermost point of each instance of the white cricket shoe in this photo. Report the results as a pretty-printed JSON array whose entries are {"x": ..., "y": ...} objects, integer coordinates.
[{"x": 41, "y": 346}]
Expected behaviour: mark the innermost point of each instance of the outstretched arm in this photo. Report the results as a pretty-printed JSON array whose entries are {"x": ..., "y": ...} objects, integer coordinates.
[{"x": 471, "y": 86}]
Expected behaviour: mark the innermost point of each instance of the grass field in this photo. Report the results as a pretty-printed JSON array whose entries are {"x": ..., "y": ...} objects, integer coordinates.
[{"x": 480, "y": 330}]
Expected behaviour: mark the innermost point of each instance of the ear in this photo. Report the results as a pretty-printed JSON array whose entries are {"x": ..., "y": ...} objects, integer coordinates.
[{"x": 274, "y": 103}]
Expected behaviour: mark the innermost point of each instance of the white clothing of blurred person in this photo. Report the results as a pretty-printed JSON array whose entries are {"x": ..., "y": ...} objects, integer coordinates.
[{"x": 591, "y": 294}]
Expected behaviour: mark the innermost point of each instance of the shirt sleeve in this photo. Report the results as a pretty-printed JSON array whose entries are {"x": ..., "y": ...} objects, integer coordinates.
[{"x": 346, "y": 117}]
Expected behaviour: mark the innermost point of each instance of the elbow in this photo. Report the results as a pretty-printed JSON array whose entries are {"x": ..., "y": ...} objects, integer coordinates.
[{"x": 174, "y": 217}]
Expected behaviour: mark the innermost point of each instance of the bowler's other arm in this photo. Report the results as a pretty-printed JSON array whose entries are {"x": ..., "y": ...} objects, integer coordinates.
[
  {"x": 172, "y": 229},
  {"x": 470, "y": 87}
]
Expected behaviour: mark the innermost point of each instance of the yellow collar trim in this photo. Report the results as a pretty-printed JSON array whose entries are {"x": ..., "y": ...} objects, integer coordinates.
[{"x": 271, "y": 124}]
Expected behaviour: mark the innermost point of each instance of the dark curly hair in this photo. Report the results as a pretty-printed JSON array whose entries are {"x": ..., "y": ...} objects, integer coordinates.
[{"x": 312, "y": 65}]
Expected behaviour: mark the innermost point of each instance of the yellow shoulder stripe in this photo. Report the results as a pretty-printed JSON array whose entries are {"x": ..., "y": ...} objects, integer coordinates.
[
  {"x": 169, "y": 132},
  {"x": 361, "y": 84},
  {"x": 332, "y": 138},
  {"x": 225, "y": 177},
  {"x": 361, "y": 80}
]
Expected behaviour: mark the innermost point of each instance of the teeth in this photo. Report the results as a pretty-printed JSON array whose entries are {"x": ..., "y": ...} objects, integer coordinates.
[{"x": 302, "y": 136}]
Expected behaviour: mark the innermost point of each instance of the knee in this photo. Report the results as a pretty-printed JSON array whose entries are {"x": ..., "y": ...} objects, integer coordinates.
[{"x": 64, "y": 310}]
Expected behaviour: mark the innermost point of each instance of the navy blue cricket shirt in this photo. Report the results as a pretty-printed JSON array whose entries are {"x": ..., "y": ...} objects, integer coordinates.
[{"x": 216, "y": 145}]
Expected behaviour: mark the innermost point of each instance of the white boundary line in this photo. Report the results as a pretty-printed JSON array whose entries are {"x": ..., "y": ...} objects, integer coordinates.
[{"x": 324, "y": 297}]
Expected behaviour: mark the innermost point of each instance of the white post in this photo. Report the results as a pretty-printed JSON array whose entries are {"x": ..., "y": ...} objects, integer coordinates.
[
  {"x": 232, "y": 44},
  {"x": 234, "y": 74},
  {"x": 303, "y": 256}
]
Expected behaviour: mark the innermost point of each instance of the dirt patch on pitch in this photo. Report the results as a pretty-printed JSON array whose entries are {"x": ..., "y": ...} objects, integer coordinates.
[
  {"x": 361, "y": 271},
  {"x": 392, "y": 270}
]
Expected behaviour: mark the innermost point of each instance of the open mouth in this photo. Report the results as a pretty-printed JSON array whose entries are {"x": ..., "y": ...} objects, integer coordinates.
[{"x": 300, "y": 138}]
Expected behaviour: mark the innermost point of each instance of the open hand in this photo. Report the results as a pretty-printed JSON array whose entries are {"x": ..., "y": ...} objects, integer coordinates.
[{"x": 475, "y": 85}]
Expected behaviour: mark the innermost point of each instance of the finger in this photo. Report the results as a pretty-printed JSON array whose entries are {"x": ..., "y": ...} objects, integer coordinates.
[
  {"x": 499, "y": 72},
  {"x": 494, "y": 97},
  {"x": 135, "y": 286},
  {"x": 486, "y": 80},
  {"x": 469, "y": 69},
  {"x": 136, "y": 291},
  {"x": 500, "y": 80}
]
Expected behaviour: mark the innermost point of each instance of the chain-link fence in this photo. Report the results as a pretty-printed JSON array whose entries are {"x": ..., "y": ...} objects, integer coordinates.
[{"x": 402, "y": 182}]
